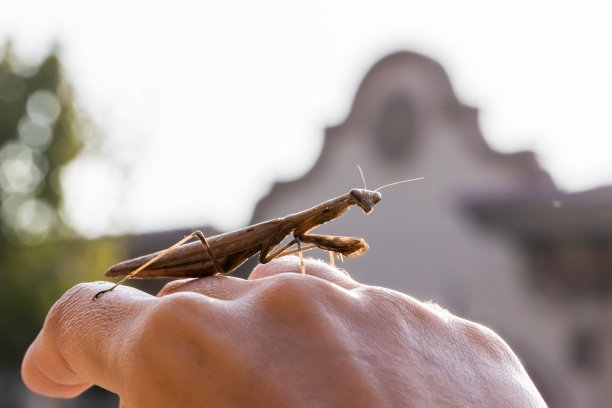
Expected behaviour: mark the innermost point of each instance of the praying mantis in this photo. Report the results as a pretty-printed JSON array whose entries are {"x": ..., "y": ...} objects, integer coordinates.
[{"x": 222, "y": 254}]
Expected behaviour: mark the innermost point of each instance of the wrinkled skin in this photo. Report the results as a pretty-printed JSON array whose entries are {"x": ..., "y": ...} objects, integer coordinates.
[{"x": 279, "y": 339}]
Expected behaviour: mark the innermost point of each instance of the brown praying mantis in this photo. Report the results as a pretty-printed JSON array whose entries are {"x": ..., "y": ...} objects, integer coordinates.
[{"x": 222, "y": 254}]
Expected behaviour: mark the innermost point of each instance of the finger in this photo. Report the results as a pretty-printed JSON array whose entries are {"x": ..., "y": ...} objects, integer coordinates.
[
  {"x": 217, "y": 286},
  {"x": 314, "y": 267},
  {"x": 75, "y": 346}
]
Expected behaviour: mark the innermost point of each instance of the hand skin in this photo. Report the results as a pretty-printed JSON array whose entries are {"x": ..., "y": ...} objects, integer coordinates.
[{"x": 279, "y": 339}]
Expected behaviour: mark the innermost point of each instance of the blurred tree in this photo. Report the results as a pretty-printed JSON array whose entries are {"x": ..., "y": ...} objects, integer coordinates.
[{"x": 40, "y": 256}]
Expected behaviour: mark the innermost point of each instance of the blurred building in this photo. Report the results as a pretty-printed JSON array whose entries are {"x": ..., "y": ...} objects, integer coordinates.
[{"x": 487, "y": 235}]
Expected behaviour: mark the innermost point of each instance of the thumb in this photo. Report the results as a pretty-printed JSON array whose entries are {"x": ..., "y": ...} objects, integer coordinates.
[{"x": 78, "y": 343}]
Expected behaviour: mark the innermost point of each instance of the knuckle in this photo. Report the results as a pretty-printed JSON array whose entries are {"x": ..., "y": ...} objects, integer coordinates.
[
  {"x": 284, "y": 288},
  {"x": 291, "y": 295},
  {"x": 163, "y": 325},
  {"x": 485, "y": 342},
  {"x": 170, "y": 311},
  {"x": 397, "y": 305},
  {"x": 170, "y": 324}
]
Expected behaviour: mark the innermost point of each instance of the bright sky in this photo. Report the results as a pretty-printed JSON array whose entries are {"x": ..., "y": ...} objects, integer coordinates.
[{"x": 204, "y": 104}]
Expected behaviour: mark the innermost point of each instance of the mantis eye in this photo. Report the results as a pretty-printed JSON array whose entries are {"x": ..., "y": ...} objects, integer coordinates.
[
  {"x": 376, "y": 197},
  {"x": 357, "y": 193}
]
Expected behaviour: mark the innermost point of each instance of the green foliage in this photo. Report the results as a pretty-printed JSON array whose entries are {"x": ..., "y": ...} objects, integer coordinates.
[
  {"x": 40, "y": 131},
  {"x": 33, "y": 279},
  {"x": 40, "y": 257}
]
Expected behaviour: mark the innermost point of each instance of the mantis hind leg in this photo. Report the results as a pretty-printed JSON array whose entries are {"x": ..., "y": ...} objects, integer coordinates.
[{"x": 198, "y": 234}]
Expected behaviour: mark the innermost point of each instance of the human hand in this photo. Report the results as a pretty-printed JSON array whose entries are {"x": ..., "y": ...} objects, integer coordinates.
[{"x": 278, "y": 339}]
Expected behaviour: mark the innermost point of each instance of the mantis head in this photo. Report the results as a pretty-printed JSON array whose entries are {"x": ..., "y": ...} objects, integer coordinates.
[{"x": 366, "y": 199}]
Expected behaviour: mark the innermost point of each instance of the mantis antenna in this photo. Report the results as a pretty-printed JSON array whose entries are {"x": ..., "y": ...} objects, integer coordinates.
[
  {"x": 386, "y": 185},
  {"x": 362, "y": 177},
  {"x": 399, "y": 182}
]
